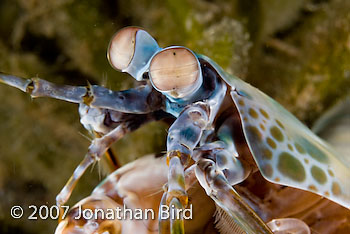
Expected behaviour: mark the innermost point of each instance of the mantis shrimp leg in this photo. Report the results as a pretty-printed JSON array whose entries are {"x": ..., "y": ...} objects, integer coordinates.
[
  {"x": 183, "y": 136},
  {"x": 96, "y": 97},
  {"x": 219, "y": 166},
  {"x": 140, "y": 100},
  {"x": 98, "y": 147},
  {"x": 220, "y": 190},
  {"x": 40, "y": 88}
]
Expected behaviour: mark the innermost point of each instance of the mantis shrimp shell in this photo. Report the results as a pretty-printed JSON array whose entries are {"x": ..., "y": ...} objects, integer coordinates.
[{"x": 286, "y": 151}]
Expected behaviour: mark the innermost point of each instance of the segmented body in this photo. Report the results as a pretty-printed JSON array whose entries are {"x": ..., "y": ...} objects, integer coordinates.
[
  {"x": 286, "y": 151},
  {"x": 223, "y": 127}
]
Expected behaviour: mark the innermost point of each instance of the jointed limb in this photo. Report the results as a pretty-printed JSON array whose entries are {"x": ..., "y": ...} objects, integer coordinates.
[
  {"x": 128, "y": 111},
  {"x": 163, "y": 223},
  {"x": 143, "y": 99},
  {"x": 36, "y": 87},
  {"x": 98, "y": 147},
  {"x": 128, "y": 123},
  {"x": 217, "y": 170},
  {"x": 227, "y": 198},
  {"x": 175, "y": 224},
  {"x": 218, "y": 167},
  {"x": 183, "y": 136}
]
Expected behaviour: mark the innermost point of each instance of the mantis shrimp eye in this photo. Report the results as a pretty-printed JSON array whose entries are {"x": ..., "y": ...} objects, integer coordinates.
[
  {"x": 175, "y": 71},
  {"x": 130, "y": 50},
  {"x": 121, "y": 49}
]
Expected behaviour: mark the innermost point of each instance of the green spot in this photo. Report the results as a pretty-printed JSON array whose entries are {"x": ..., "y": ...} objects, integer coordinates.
[
  {"x": 291, "y": 167},
  {"x": 262, "y": 127},
  {"x": 267, "y": 154},
  {"x": 254, "y": 133},
  {"x": 264, "y": 113},
  {"x": 279, "y": 124},
  {"x": 276, "y": 133},
  {"x": 299, "y": 148},
  {"x": 271, "y": 143},
  {"x": 313, "y": 150},
  {"x": 330, "y": 172},
  {"x": 253, "y": 113},
  {"x": 318, "y": 174}
]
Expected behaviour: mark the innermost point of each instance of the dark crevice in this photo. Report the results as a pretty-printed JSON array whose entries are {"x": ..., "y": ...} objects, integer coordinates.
[
  {"x": 6, "y": 227},
  {"x": 320, "y": 1},
  {"x": 49, "y": 51},
  {"x": 110, "y": 8},
  {"x": 285, "y": 32},
  {"x": 37, "y": 188},
  {"x": 126, "y": 20},
  {"x": 123, "y": 17},
  {"x": 46, "y": 48},
  {"x": 251, "y": 10},
  {"x": 304, "y": 16}
]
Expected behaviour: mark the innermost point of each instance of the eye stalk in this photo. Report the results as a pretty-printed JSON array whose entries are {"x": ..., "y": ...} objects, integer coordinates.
[
  {"x": 175, "y": 71},
  {"x": 131, "y": 50}
]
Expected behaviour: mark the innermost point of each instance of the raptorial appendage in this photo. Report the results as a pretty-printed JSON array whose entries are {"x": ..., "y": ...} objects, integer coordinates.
[
  {"x": 217, "y": 170},
  {"x": 36, "y": 87}
]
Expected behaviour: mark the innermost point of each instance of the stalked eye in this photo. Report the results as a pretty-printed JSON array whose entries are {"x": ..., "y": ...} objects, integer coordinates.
[
  {"x": 175, "y": 71},
  {"x": 121, "y": 49},
  {"x": 131, "y": 50}
]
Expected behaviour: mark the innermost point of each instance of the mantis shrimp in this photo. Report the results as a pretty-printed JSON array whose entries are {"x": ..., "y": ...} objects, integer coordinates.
[
  {"x": 224, "y": 130},
  {"x": 320, "y": 215}
]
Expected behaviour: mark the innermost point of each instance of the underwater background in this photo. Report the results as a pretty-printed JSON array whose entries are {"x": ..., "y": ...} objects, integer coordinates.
[{"x": 296, "y": 51}]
